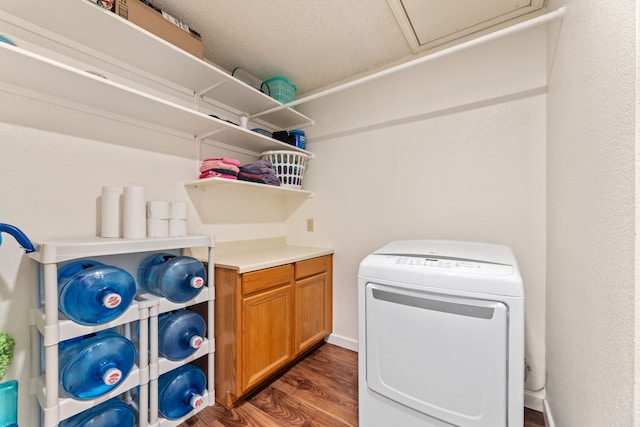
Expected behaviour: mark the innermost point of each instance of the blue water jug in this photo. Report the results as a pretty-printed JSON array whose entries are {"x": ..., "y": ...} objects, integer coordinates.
[
  {"x": 180, "y": 334},
  {"x": 112, "y": 413},
  {"x": 91, "y": 293},
  {"x": 177, "y": 278},
  {"x": 180, "y": 391},
  {"x": 96, "y": 364}
]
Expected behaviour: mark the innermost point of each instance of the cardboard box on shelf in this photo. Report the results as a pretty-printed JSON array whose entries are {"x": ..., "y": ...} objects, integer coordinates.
[{"x": 153, "y": 21}]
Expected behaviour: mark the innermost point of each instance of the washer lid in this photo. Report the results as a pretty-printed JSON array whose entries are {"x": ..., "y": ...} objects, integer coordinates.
[
  {"x": 448, "y": 265},
  {"x": 451, "y": 249}
]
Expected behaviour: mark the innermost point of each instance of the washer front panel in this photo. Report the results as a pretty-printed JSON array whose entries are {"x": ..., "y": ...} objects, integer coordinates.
[{"x": 444, "y": 356}]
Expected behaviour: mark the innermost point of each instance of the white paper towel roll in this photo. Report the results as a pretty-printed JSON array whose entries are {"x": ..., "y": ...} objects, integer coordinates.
[
  {"x": 157, "y": 209},
  {"x": 178, "y": 210},
  {"x": 177, "y": 227},
  {"x": 157, "y": 227},
  {"x": 134, "y": 213},
  {"x": 111, "y": 211}
]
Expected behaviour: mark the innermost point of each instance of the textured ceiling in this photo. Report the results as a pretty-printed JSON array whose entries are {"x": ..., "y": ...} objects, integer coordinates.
[
  {"x": 313, "y": 43},
  {"x": 319, "y": 43}
]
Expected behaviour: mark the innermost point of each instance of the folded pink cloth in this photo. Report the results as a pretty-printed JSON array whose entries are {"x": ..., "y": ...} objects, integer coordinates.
[
  {"x": 218, "y": 164},
  {"x": 212, "y": 174},
  {"x": 225, "y": 160}
]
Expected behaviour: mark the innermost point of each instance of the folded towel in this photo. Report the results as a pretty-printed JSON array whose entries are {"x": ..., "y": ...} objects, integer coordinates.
[
  {"x": 250, "y": 176},
  {"x": 225, "y": 160},
  {"x": 261, "y": 166},
  {"x": 270, "y": 179},
  {"x": 225, "y": 171},
  {"x": 217, "y": 164},
  {"x": 213, "y": 174}
]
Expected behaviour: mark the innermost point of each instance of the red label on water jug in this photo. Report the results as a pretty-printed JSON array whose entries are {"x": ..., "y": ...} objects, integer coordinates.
[
  {"x": 196, "y": 342},
  {"x": 112, "y": 300},
  {"x": 197, "y": 282},
  {"x": 197, "y": 401},
  {"x": 112, "y": 376}
]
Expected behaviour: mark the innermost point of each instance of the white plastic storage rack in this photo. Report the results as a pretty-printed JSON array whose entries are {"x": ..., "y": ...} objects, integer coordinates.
[{"x": 49, "y": 327}]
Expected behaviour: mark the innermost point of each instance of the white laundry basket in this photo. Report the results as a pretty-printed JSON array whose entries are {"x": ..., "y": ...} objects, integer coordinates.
[{"x": 288, "y": 165}]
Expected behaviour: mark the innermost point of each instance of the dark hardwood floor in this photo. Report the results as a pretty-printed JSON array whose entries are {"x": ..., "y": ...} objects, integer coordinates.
[{"x": 320, "y": 390}]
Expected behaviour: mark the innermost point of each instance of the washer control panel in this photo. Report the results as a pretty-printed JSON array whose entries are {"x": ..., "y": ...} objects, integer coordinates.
[{"x": 446, "y": 264}]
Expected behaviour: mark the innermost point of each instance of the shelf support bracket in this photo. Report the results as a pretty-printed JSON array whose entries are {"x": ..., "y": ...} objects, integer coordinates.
[
  {"x": 244, "y": 121},
  {"x": 199, "y": 94}
]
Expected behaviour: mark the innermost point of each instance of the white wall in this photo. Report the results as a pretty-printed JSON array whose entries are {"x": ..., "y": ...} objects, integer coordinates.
[
  {"x": 591, "y": 237},
  {"x": 452, "y": 149},
  {"x": 637, "y": 225}
]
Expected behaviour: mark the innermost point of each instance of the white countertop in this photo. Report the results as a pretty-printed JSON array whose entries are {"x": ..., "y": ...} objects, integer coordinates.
[{"x": 252, "y": 260}]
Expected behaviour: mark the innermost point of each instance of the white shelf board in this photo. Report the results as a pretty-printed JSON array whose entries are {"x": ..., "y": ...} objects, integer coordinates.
[
  {"x": 68, "y": 406},
  {"x": 243, "y": 98},
  {"x": 253, "y": 202},
  {"x": 208, "y": 400},
  {"x": 29, "y": 74},
  {"x": 66, "y": 329},
  {"x": 166, "y": 365},
  {"x": 82, "y": 122},
  {"x": 65, "y": 250},
  {"x": 164, "y": 305},
  {"x": 245, "y": 139},
  {"x": 248, "y": 187},
  {"x": 125, "y": 43},
  {"x": 28, "y": 95}
]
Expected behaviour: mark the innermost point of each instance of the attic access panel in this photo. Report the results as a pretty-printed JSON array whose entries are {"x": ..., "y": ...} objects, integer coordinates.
[{"x": 429, "y": 23}]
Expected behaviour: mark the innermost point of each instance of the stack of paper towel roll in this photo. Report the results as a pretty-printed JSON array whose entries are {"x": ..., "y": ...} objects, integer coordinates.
[
  {"x": 157, "y": 219},
  {"x": 111, "y": 212},
  {"x": 166, "y": 219},
  {"x": 177, "y": 219},
  {"x": 126, "y": 213},
  {"x": 123, "y": 212},
  {"x": 134, "y": 213}
]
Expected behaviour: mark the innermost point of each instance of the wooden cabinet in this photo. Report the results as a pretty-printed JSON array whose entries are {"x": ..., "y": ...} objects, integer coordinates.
[
  {"x": 266, "y": 323},
  {"x": 265, "y": 319},
  {"x": 313, "y": 296}
]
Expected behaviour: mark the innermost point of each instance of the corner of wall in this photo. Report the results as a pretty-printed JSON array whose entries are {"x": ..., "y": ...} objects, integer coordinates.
[
  {"x": 534, "y": 399},
  {"x": 344, "y": 342},
  {"x": 548, "y": 418}
]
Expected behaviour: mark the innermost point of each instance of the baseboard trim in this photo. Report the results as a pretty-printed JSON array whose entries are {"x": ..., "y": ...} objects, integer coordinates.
[
  {"x": 548, "y": 418},
  {"x": 533, "y": 399},
  {"x": 340, "y": 341}
]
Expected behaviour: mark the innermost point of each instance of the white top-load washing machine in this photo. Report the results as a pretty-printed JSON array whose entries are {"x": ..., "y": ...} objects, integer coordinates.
[{"x": 441, "y": 335}]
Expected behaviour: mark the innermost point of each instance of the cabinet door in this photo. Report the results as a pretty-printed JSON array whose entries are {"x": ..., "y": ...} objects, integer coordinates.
[
  {"x": 313, "y": 311},
  {"x": 314, "y": 303},
  {"x": 266, "y": 334}
]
